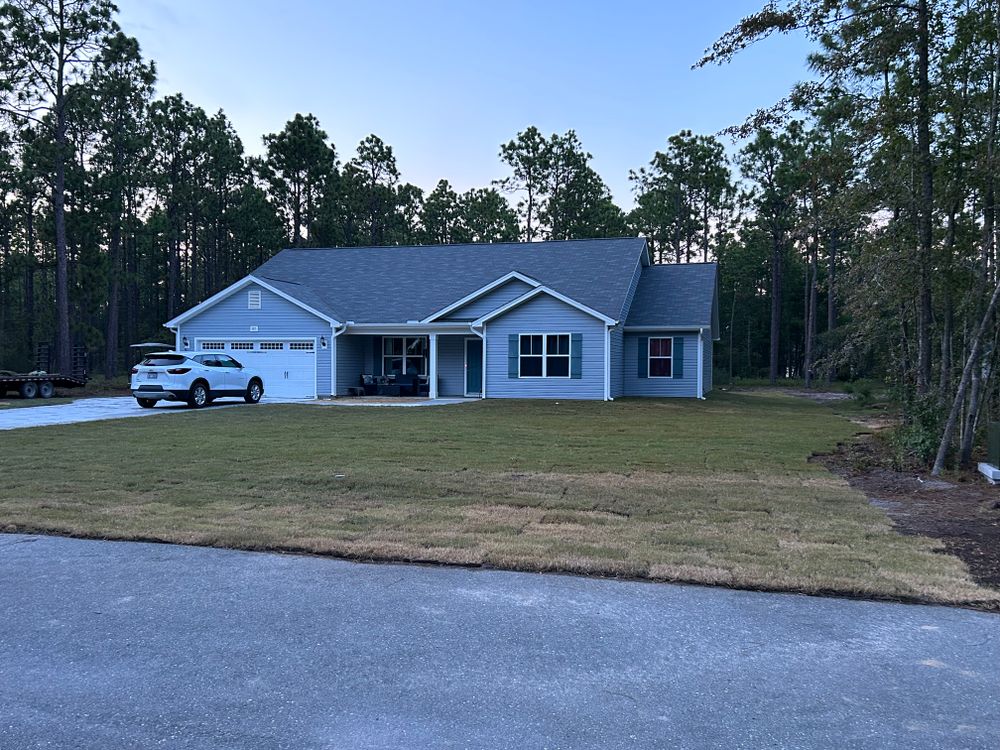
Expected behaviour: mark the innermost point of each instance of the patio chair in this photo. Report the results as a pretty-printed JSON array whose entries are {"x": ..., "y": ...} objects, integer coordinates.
[{"x": 369, "y": 384}]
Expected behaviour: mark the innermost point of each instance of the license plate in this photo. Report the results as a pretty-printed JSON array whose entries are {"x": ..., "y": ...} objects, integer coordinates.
[{"x": 152, "y": 375}]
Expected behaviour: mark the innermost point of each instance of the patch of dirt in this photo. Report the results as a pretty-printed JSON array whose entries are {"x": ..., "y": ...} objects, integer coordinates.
[
  {"x": 812, "y": 395},
  {"x": 962, "y": 511}
]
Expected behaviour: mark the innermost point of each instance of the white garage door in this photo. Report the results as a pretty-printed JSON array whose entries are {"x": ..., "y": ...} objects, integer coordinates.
[{"x": 288, "y": 368}]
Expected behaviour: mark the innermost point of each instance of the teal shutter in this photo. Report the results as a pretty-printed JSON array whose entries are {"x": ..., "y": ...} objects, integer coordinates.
[
  {"x": 377, "y": 355},
  {"x": 678, "y": 349},
  {"x": 512, "y": 355},
  {"x": 643, "y": 357},
  {"x": 576, "y": 355}
]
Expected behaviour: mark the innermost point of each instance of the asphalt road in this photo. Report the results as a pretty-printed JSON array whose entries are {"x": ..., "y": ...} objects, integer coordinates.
[{"x": 121, "y": 645}]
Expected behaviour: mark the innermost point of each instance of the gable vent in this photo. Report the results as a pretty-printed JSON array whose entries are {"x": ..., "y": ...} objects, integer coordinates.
[{"x": 253, "y": 299}]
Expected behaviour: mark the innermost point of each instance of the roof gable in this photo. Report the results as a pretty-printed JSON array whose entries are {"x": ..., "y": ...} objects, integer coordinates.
[
  {"x": 486, "y": 298},
  {"x": 531, "y": 294},
  {"x": 295, "y": 299}
]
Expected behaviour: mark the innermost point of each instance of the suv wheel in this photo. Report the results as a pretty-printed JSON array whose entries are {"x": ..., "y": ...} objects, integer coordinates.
[
  {"x": 199, "y": 396},
  {"x": 254, "y": 392}
]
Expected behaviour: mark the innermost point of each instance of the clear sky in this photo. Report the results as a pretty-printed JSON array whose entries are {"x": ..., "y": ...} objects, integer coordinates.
[{"x": 445, "y": 82}]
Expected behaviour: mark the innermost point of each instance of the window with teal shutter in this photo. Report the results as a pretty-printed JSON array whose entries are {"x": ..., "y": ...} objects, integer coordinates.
[{"x": 678, "y": 357}]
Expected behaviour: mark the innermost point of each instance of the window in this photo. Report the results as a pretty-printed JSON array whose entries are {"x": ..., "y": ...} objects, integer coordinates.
[
  {"x": 301, "y": 346},
  {"x": 163, "y": 360},
  {"x": 253, "y": 299},
  {"x": 241, "y": 345},
  {"x": 544, "y": 355},
  {"x": 213, "y": 345},
  {"x": 661, "y": 358},
  {"x": 404, "y": 355},
  {"x": 271, "y": 345},
  {"x": 223, "y": 361}
]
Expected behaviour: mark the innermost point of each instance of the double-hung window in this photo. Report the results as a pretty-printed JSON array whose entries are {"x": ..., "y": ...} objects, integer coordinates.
[
  {"x": 544, "y": 355},
  {"x": 404, "y": 355},
  {"x": 661, "y": 358}
]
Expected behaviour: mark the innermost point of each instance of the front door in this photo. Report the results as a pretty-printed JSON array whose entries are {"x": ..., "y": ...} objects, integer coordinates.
[{"x": 473, "y": 367}]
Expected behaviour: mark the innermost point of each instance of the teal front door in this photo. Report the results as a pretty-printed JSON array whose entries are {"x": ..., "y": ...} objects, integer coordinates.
[{"x": 473, "y": 367}]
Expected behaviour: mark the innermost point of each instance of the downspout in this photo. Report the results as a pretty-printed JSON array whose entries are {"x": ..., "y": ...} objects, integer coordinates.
[
  {"x": 607, "y": 363},
  {"x": 701, "y": 363},
  {"x": 481, "y": 335}
]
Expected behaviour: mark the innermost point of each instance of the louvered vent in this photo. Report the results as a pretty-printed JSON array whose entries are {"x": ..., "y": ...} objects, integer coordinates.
[{"x": 253, "y": 299}]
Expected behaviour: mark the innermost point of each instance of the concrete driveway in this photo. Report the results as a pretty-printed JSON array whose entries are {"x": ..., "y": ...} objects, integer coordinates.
[
  {"x": 128, "y": 645},
  {"x": 95, "y": 409}
]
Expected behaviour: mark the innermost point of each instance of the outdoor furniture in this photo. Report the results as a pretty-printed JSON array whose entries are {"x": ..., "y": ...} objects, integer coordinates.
[
  {"x": 369, "y": 385},
  {"x": 407, "y": 384},
  {"x": 388, "y": 389},
  {"x": 355, "y": 390}
]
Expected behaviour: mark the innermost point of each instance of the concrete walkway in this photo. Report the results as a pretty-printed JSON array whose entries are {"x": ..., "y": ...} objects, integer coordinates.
[
  {"x": 95, "y": 409},
  {"x": 122, "y": 645}
]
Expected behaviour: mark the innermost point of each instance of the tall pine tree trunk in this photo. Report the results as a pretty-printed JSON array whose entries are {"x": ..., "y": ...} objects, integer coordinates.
[
  {"x": 775, "y": 309},
  {"x": 63, "y": 361},
  {"x": 926, "y": 199},
  {"x": 811, "y": 315}
]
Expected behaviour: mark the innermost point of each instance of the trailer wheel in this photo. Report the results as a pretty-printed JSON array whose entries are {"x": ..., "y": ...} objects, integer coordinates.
[
  {"x": 46, "y": 389},
  {"x": 28, "y": 389}
]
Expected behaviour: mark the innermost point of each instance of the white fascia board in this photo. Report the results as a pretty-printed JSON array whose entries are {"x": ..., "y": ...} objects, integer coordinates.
[
  {"x": 552, "y": 293},
  {"x": 480, "y": 292},
  {"x": 246, "y": 280}
]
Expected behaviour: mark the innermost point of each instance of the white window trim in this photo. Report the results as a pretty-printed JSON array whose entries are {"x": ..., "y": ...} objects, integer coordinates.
[
  {"x": 403, "y": 356},
  {"x": 545, "y": 358},
  {"x": 650, "y": 358}
]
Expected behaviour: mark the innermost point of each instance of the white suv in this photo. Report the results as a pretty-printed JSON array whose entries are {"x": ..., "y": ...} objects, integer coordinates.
[{"x": 195, "y": 377}]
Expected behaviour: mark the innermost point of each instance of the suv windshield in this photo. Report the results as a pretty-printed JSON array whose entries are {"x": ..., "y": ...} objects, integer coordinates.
[{"x": 163, "y": 360}]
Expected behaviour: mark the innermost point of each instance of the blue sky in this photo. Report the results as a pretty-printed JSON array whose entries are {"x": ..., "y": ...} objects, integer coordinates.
[{"x": 444, "y": 83}]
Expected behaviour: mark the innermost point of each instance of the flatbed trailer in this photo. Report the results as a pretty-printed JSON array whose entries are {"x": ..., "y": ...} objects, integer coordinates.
[{"x": 41, "y": 385}]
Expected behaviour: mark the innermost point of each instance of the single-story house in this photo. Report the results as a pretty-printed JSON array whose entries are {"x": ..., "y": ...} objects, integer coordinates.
[{"x": 575, "y": 319}]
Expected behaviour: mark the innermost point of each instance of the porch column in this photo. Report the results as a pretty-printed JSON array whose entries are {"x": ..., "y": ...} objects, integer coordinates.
[{"x": 432, "y": 368}]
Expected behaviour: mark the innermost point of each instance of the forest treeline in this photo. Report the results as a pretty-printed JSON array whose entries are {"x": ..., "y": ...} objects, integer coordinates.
[{"x": 854, "y": 222}]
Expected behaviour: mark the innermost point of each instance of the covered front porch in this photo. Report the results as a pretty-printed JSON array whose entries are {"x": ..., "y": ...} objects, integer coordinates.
[{"x": 403, "y": 362}]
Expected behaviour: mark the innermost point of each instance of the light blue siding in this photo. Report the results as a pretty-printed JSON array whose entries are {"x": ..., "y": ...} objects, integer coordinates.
[
  {"x": 451, "y": 365},
  {"x": 229, "y": 319},
  {"x": 351, "y": 352},
  {"x": 685, "y": 387},
  {"x": 490, "y": 301},
  {"x": 544, "y": 314},
  {"x": 618, "y": 337}
]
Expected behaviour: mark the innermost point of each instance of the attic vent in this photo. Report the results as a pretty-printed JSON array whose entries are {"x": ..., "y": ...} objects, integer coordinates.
[{"x": 253, "y": 299}]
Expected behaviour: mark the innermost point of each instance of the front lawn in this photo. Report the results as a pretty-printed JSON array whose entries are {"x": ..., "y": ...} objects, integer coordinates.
[{"x": 713, "y": 492}]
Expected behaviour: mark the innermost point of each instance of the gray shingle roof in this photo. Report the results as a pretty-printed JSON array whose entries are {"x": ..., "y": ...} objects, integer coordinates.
[
  {"x": 397, "y": 284},
  {"x": 675, "y": 295}
]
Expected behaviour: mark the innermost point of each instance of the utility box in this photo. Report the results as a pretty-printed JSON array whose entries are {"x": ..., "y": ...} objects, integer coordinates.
[{"x": 993, "y": 443}]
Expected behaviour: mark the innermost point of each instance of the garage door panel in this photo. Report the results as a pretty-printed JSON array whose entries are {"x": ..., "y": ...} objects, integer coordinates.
[{"x": 288, "y": 368}]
